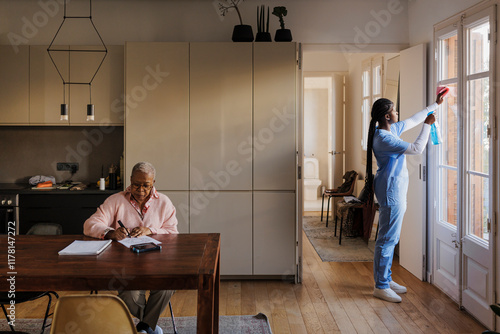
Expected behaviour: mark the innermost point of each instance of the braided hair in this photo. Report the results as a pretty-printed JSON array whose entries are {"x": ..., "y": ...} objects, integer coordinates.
[{"x": 380, "y": 108}]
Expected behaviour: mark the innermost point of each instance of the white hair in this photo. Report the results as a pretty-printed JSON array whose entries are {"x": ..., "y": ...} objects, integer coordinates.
[{"x": 144, "y": 167}]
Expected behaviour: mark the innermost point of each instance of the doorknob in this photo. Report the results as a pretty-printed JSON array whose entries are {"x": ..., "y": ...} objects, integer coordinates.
[{"x": 334, "y": 152}]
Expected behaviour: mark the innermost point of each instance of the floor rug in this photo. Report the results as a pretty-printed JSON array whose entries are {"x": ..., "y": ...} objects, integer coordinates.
[
  {"x": 244, "y": 324},
  {"x": 327, "y": 245}
]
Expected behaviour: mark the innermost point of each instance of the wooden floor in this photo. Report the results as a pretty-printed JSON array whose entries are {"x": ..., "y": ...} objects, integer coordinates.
[{"x": 333, "y": 298}]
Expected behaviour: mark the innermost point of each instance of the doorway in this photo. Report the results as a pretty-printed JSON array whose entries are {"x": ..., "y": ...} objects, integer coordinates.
[{"x": 324, "y": 149}]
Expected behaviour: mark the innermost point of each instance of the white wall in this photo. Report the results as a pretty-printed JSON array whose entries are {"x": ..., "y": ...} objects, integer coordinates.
[
  {"x": 324, "y": 61},
  {"x": 316, "y": 129},
  {"x": 312, "y": 21}
]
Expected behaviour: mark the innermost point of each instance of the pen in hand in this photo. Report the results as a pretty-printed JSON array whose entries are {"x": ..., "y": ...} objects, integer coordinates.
[{"x": 126, "y": 229}]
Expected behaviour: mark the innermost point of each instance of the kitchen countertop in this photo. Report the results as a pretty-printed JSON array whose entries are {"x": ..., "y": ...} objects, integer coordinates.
[{"x": 14, "y": 188}]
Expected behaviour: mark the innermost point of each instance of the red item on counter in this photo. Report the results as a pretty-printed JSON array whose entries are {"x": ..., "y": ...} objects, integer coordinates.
[{"x": 46, "y": 184}]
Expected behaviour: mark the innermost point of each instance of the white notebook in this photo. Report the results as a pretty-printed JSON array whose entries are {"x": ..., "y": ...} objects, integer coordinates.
[{"x": 81, "y": 247}]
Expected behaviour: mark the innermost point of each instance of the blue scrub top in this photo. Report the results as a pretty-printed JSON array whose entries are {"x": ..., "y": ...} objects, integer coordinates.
[{"x": 391, "y": 180}]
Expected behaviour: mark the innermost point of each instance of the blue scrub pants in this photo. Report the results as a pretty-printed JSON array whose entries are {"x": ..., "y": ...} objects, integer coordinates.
[{"x": 390, "y": 221}]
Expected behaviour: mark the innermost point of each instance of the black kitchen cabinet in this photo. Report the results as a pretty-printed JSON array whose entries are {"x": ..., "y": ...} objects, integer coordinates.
[{"x": 68, "y": 210}]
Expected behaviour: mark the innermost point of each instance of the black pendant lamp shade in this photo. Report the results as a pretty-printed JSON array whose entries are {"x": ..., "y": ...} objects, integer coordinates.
[{"x": 64, "y": 112}]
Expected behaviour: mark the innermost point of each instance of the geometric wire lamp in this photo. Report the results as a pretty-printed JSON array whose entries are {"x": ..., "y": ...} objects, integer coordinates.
[{"x": 61, "y": 52}]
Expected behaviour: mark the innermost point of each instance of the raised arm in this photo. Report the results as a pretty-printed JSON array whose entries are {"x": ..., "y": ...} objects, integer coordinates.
[
  {"x": 420, "y": 116},
  {"x": 418, "y": 146}
]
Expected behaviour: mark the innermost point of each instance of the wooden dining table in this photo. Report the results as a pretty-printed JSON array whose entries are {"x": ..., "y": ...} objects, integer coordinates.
[{"x": 185, "y": 262}]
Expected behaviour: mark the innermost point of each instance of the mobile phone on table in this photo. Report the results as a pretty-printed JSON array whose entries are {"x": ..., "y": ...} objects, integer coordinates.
[{"x": 147, "y": 247}]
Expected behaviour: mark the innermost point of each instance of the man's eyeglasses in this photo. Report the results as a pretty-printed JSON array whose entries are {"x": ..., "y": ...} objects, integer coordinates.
[{"x": 137, "y": 186}]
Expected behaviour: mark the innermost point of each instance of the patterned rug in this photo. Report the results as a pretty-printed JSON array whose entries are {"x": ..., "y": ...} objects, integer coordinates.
[
  {"x": 352, "y": 249},
  {"x": 244, "y": 324}
]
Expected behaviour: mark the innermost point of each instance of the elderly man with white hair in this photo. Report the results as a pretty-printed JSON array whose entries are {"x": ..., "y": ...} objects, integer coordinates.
[{"x": 143, "y": 211}]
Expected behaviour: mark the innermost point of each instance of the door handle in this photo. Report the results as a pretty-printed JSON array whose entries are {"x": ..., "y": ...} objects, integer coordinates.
[{"x": 334, "y": 152}]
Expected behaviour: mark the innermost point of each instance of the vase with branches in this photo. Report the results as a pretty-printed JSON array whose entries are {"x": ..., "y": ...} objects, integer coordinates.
[
  {"x": 263, "y": 34},
  {"x": 241, "y": 32},
  {"x": 282, "y": 35}
]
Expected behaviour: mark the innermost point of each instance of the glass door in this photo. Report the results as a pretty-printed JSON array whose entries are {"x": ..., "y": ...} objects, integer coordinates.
[
  {"x": 446, "y": 229},
  {"x": 463, "y": 252},
  {"x": 477, "y": 250}
]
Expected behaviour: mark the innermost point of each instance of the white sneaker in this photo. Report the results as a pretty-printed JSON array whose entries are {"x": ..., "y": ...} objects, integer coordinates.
[
  {"x": 387, "y": 295},
  {"x": 396, "y": 287}
]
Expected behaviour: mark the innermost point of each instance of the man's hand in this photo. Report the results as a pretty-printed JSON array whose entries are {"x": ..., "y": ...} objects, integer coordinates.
[
  {"x": 118, "y": 234},
  {"x": 140, "y": 230}
]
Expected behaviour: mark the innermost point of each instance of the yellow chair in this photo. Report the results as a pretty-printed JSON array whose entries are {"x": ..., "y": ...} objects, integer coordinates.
[{"x": 92, "y": 314}]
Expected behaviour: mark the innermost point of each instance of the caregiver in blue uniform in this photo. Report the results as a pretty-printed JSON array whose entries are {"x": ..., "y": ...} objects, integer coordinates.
[{"x": 391, "y": 183}]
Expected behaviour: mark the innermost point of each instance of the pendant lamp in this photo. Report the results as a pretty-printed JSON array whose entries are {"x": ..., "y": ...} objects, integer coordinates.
[{"x": 67, "y": 44}]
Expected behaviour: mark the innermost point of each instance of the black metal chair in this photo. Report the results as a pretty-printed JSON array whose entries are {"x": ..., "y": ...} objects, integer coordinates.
[{"x": 22, "y": 296}]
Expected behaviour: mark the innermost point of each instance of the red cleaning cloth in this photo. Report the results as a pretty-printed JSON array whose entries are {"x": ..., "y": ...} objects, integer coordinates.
[{"x": 442, "y": 89}]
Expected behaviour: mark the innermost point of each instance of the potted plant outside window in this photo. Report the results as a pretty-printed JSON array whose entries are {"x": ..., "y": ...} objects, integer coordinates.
[
  {"x": 241, "y": 32},
  {"x": 263, "y": 34},
  {"x": 282, "y": 35}
]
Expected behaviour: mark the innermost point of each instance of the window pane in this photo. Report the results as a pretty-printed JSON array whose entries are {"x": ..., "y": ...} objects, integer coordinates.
[
  {"x": 479, "y": 207},
  {"x": 448, "y": 59},
  {"x": 366, "y": 121},
  {"x": 479, "y": 48},
  {"x": 366, "y": 83},
  {"x": 449, "y": 196},
  {"x": 448, "y": 121},
  {"x": 377, "y": 80},
  {"x": 479, "y": 118}
]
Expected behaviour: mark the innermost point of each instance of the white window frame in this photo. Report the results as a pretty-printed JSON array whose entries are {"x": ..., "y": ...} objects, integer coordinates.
[{"x": 372, "y": 71}]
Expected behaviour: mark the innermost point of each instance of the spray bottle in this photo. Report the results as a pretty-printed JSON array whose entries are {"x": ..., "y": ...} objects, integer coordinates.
[{"x": 436, "y": 138}]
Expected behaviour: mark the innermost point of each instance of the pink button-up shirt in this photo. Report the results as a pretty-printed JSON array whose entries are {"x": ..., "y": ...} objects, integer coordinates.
[{"x": 158, "y": 214}]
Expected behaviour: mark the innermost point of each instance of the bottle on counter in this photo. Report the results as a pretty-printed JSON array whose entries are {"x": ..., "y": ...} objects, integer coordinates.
[
  {"x": 102, "y": 184},
  {"x": 122, "y": 168},
  {"x": 112, "y": 177}
]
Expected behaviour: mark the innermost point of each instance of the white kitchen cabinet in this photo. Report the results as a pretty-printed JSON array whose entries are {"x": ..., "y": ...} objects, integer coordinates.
[
  {"x": 274, "y": 230},
  {"x": 220, "y": 116},
  {"x": 157, "y": 111},
  {"x": 230, "y": 214},
  {"x": 107, "y": 86},
  {"x": 46, "y": 86},
  {"x": 220, "y": 129},
  {"x": 180, "y": 199},
  {"x": 274, "y": 85},
  {"x": 14, "y": 85}
]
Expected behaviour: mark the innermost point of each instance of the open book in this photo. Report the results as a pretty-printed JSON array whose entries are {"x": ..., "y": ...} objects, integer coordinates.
[{"x": 81, "y": 247}]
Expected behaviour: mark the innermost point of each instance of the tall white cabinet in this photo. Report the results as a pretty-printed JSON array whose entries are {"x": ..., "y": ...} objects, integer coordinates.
[{"x": 221, "y": 132}]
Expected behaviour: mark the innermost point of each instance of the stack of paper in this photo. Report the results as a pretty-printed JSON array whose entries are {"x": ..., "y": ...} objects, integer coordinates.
[
  {"x": 127, "y": 242},
  {"x": 80, "y": 247}
]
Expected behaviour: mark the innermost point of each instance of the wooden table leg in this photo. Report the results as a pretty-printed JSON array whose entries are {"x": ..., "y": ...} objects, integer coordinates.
[
  {"x": 208, "y": 303},
  {"x": 205, "y": 309},
  {"x": 216, "y": 297}
]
